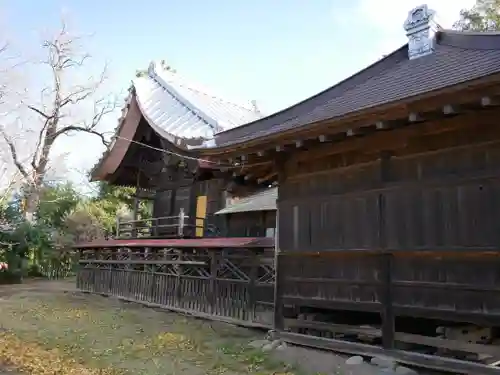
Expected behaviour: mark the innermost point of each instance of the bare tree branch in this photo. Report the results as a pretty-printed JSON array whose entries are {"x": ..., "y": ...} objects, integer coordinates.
[
  {"x": 72, "y": 128},
  {"x": 15, "y": 158},
  {"x": 41, "y": 136},
  {"x": 40, "y": 112},
  {"x": 63, "y": 98}
]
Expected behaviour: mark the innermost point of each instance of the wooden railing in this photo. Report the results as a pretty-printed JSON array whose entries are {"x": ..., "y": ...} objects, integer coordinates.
[
  {"x": 233, "y": 285},
  {"x": 165, "y": 227}
]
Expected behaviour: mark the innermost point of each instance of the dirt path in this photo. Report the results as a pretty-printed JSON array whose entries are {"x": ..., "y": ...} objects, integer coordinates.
[{"x": 48, "y": 327}]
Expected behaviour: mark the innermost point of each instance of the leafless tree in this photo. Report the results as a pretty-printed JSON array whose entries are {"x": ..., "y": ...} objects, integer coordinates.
[{"x": 55, "y": 110}]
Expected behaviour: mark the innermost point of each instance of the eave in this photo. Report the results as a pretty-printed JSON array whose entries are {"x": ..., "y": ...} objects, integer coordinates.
[
  {"x": 351, "y": 122},
  {"x": 112, "y": 158}
]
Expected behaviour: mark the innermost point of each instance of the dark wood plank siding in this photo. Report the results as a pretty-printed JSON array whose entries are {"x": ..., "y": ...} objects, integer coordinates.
[
  {"x": 333, "y": 211},
  {"x": 443, "y": 200},
  {"x": 412, "y": 234},
  {"x": 250, "y": 224},
  {"x": 440, "y": 285},
  {"x": 162, "y": 204},
  {"x": 348, "y": 282}
]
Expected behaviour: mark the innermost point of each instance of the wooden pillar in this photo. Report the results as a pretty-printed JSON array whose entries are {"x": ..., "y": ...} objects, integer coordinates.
[
  {"x": 279, "y": 318},
  {"x": 388, "y": 318},
  {"x": 252, "y": 290},
  {"x": 135, "y": 210},
  {"x": 214, "y": 267},
  {"x": 226, "y": 225},
  {"x": 135, "y": 214},
  {"x": 193, "y": 194}
]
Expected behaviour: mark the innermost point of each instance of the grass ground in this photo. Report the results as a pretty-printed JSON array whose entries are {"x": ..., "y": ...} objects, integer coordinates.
[{"x": 44, "y": 329}]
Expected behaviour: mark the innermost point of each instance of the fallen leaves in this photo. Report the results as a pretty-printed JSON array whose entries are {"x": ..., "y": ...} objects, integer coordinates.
[
  {"x": 35, "y": 360},
  {"x": 51, "y": 332}
]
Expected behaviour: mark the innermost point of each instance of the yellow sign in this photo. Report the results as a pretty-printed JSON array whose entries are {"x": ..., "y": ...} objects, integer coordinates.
[{"x": 201, "y": 214}]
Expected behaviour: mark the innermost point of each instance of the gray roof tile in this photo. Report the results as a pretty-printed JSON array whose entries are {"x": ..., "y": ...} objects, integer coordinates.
[
  {"x": 178, "y": 108},
  {"x": 459, "y": 57},
  {"x": 262, "y": 201}
]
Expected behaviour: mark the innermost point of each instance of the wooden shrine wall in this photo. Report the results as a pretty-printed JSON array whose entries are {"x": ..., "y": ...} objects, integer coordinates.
[
  {"x": 408, "y": 231},
  {"x": 446, "y": 199},
  {"x": 182, "y": 193},
  {"x": 249, "y": 224}
]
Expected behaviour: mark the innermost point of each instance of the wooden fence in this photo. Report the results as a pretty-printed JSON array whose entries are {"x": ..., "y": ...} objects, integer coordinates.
[{"x": 234, "y": 285}]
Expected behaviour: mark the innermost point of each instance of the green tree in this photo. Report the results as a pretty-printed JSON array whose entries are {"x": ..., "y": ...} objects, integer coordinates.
[
  {"x": 64, "y": 217},
  {"x": 57, "y": 201},
  {"x": 118, "y": 198},
  {"x": 483, "y": 16}
]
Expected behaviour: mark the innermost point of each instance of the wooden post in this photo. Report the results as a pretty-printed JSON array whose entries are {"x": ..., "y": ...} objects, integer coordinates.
[
  {"x": 279, "y": 318},
  {"x": 155, "y": 224},
  {"x": 214, "y": 266},
  {"x": 278, "y": 324},
  {"x": 135, "y": 214},
  {"x": 252, "y": 290},
  {"x": 117, "y": 226},
  {"x": 179, "y": 285},
  {"x": 388, "y": 319},
  {"x": 180, "y": 228}
]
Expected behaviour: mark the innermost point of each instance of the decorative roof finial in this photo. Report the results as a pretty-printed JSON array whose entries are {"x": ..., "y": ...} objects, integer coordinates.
[
  {"x": 151, "y": 67},
  {"x": 421, "y": 27},
  {"x": 254, "y": 106}
]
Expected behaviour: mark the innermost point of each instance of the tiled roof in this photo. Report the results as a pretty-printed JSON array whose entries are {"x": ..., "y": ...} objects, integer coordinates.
[
  {"x": 189, "y": 115},
  {"x": 262, "y": 201},
  {"x": 181, "y": 109},
  {"x": 458, "y": 57}
]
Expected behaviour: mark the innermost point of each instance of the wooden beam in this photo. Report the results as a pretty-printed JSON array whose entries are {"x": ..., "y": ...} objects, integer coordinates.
[
  {"x": 459, "y": 94},
  {"x": 414, "y": 117},
  {"x": 394, "y": 138},
  {"x": 267, "y": 177},
  {"x": 448, "y": 109},
  {"x": 323, "y": 138},
  {"x": 400, "y": 336},
  {"x": 486, "y": 101}
]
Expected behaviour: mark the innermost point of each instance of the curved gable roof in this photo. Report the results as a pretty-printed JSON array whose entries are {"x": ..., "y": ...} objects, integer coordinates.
[
  {"x": 174, "y": 106},
  {"x": 184, "y": 113}
]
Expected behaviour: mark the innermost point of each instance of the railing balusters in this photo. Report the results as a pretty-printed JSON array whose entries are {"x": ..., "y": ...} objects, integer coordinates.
[
  {"x": 166, "y": 226},
  {"x": 215, "y": 283}
]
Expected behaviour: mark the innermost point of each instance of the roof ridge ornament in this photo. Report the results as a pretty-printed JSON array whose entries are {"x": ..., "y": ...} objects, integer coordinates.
[
  {"x": 421, "y": 28},
  {"x": 255, "y": 107}
]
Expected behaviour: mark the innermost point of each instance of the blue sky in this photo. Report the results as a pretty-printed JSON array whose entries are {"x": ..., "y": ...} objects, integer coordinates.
[{"x": 274, "y": 51}]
